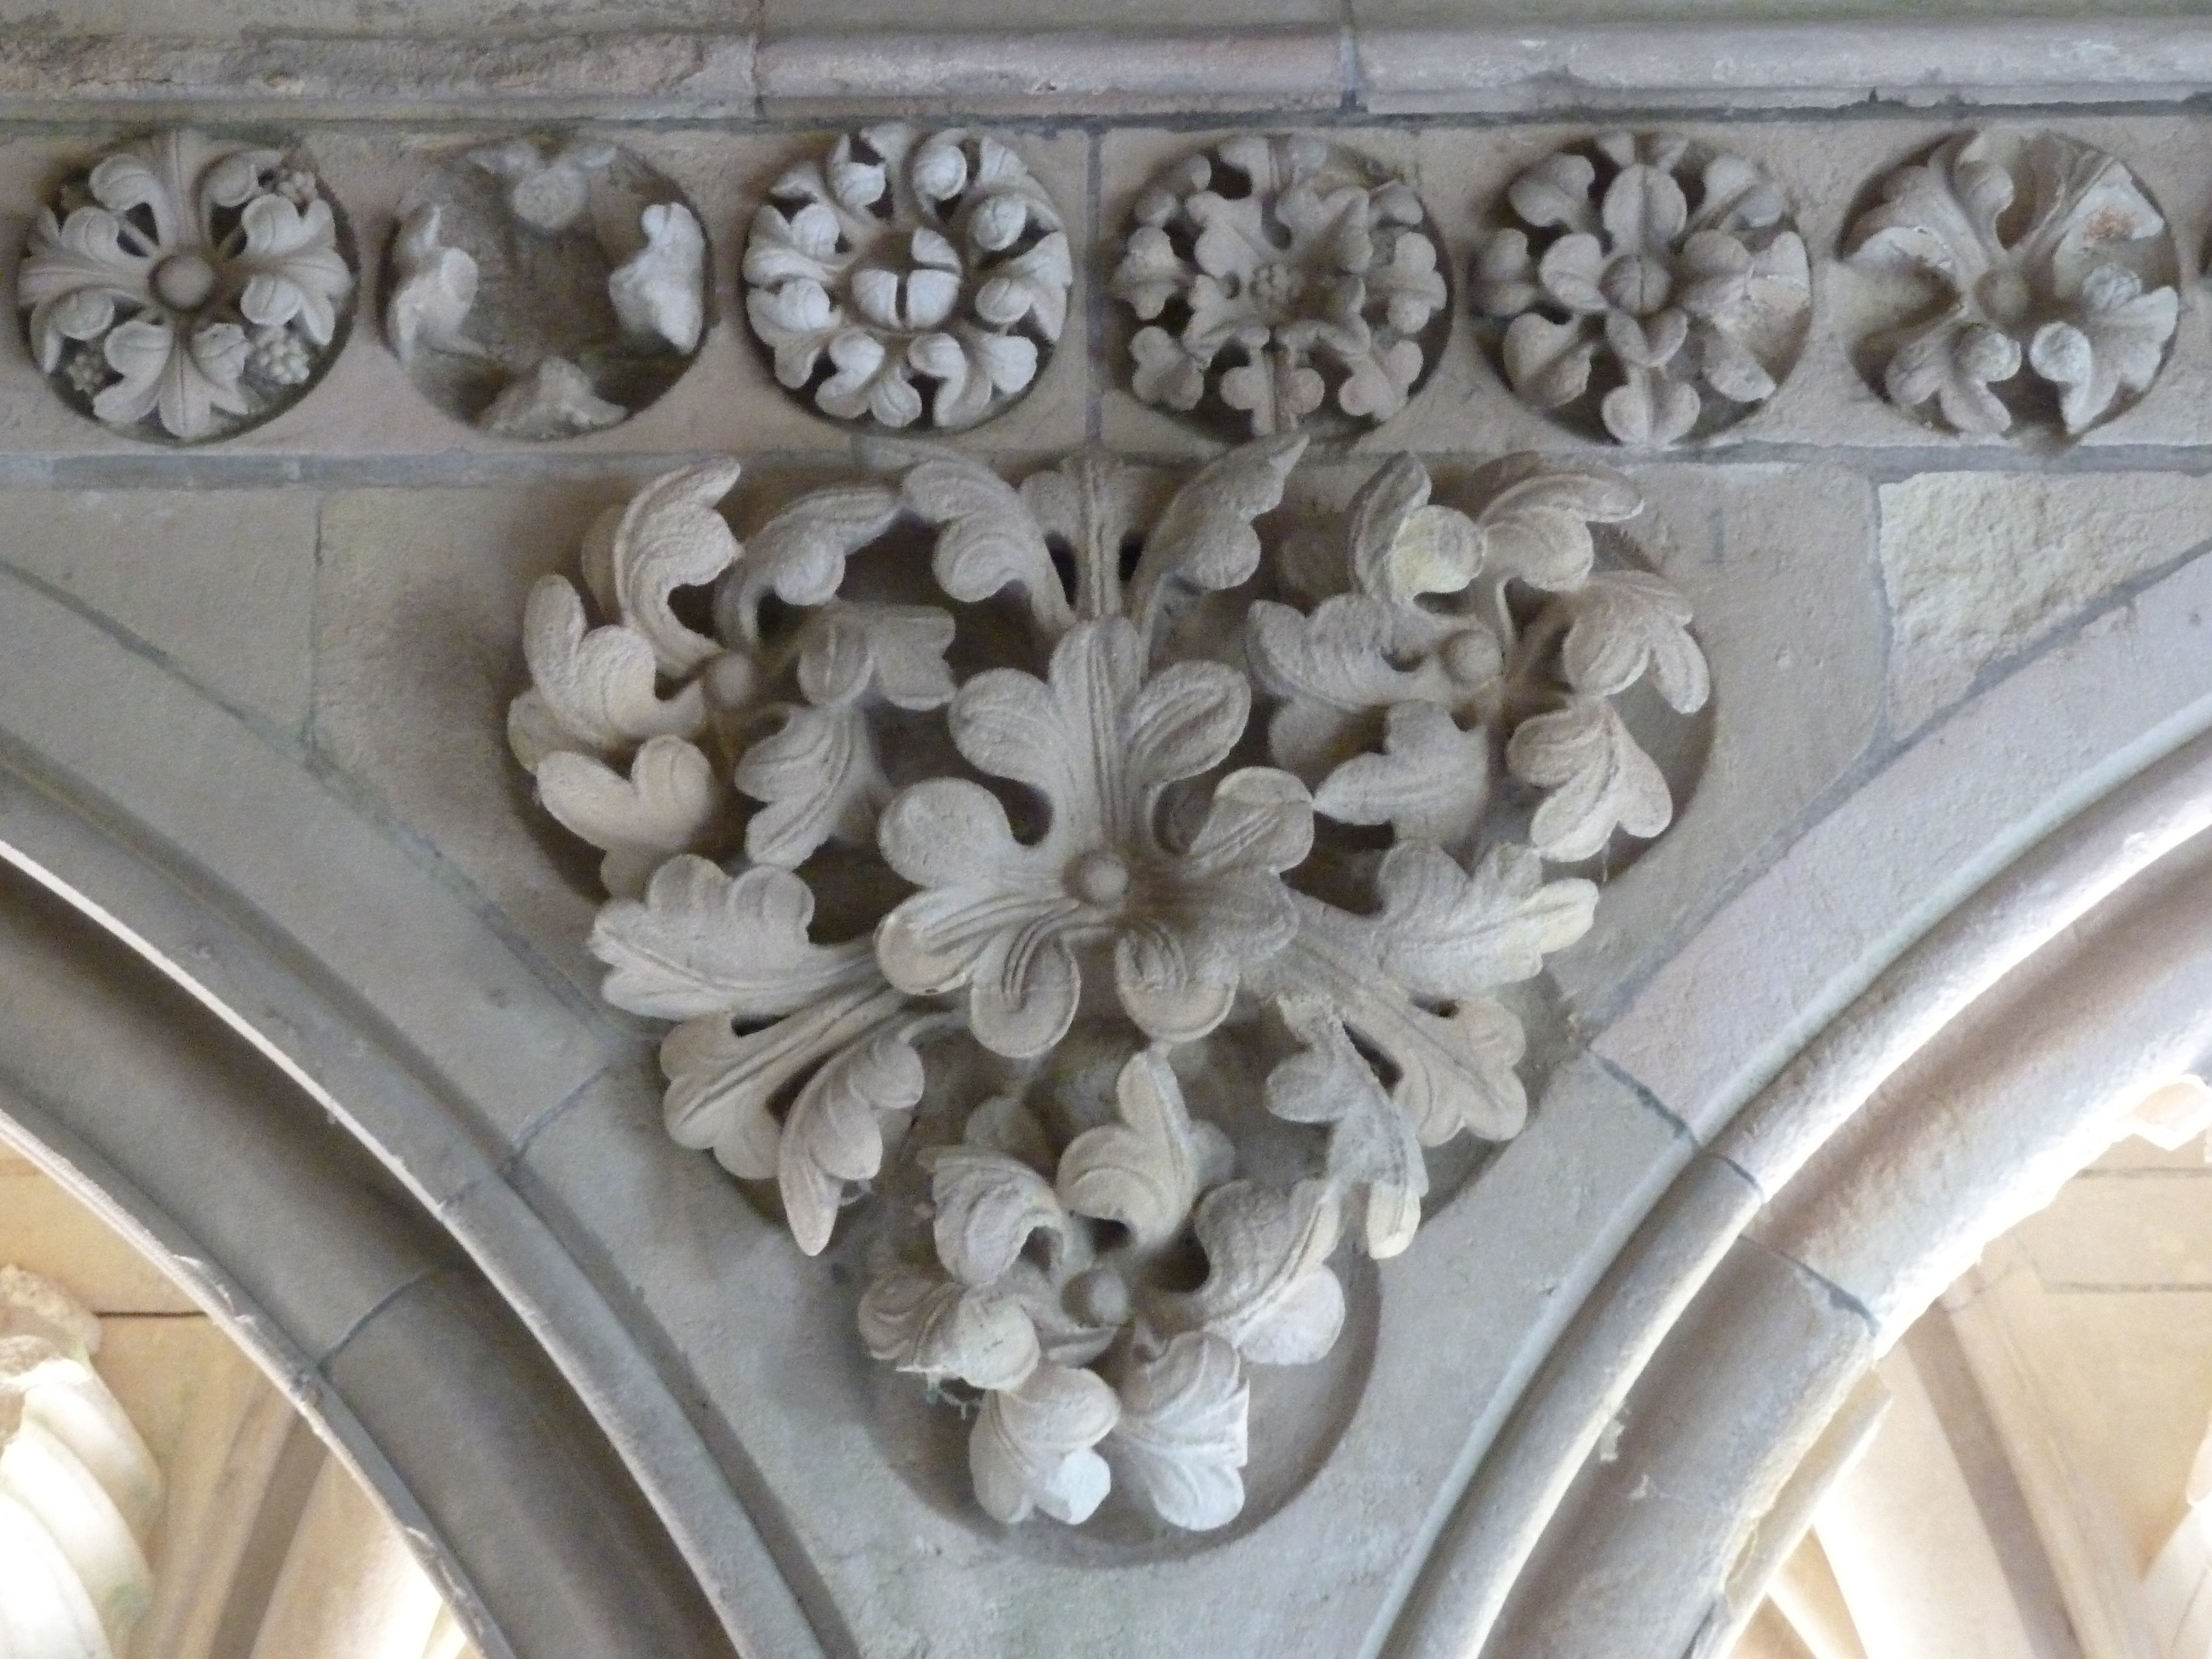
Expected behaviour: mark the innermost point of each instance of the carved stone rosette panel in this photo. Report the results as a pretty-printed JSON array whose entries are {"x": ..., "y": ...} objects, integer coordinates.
[
  {"x": 1117, "y": 882},
  {"x": 1281, "y": 281},
  {"x": 545, "y": 287},
  {"x": 2032, "y": 281},
  {"x": 1650, "y": 290},
  {"x": 184, "y": 287},
  {"x": 908, "y": 278}
]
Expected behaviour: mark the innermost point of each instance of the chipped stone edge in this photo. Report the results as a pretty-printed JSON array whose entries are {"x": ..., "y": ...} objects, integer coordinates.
[{"x": 1382, "y": 71}]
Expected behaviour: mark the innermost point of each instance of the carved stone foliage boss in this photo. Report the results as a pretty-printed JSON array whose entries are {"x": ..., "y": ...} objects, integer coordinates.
[
  {"x": 184, "y": 287},
  {"x": 981, "y": 839}
]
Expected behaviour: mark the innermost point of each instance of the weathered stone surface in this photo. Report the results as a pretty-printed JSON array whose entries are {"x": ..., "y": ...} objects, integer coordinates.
[
  {"x": 1775, "y": 559},
  {"x": 222, "y": 585},
  {"x": 1981, "y": 567},
  {"x": 415, "y": 661}
]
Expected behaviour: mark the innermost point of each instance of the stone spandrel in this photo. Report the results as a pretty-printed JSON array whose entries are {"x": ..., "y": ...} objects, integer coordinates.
[{"x": 1052, "y": 1051}]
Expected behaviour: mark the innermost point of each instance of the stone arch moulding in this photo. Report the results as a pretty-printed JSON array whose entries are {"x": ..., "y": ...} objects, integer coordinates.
[
  {"x": 1977, "y": 1072},
  {"x": 1929, "y": 899},
  {"x": 452, "y": 1407},
  {"x": 268, "y": 933}
]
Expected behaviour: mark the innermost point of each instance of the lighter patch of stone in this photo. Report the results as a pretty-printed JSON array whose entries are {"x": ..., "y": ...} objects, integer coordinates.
[{"x": 1980, "y": 566}]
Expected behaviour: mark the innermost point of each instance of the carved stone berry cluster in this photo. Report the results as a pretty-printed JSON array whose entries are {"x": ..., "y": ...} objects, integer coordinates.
[
  {"x": 184, "y": 287},
  {"x": 1085, "y": 825}
]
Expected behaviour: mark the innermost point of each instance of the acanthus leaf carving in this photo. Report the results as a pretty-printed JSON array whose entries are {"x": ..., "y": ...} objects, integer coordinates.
[
  {"x": 1268, "y": 1290},
  {"x": 1032, "y": 1445},
  {"x": 1652, "y": 290},
  {"x": 184, "y": 287},
  {"x": 908, "y": 277},
  {"x": 2042, "y": 253},
  {"x": 1087, "y": 822},
  {"x": 1182, "y": 1431}
]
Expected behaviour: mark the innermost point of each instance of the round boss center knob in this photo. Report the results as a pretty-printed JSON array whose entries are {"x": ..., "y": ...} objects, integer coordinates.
[
  {"x": 184, "y": 281},
  {"x": 1098, "y": 877}
]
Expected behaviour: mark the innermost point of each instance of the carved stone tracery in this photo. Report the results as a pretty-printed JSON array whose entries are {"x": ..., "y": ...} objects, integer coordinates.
[
  {"x": 1282, "y": 281},
  {"x": 1003, "y": 736},
  {"x": 1662, "y": 311}
]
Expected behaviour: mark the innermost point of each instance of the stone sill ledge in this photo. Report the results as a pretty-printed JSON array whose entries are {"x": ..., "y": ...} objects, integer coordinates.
[{"x": 1380, "y": 69}]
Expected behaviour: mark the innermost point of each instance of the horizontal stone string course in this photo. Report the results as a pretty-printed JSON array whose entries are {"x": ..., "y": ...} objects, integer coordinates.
[
  {"x": 1638, "y": 288},
  {"x": 1161, "y": 904}
]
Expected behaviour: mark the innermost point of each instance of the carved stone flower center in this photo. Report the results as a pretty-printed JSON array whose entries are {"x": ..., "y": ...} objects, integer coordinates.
[
  {"x": 183, "y": 281},
  {"x": 1637, "y": 284},
  {"x": 1276, "y": 288},
  {"x": 2005, "y": 296},
  {"x": 1098, "y": 1297},
  {"x": 1099, "y": 878},
  {"x": 1470, "y": 657}
]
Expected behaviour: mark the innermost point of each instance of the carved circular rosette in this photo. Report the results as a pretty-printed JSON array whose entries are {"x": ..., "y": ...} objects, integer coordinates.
[
  {"x": 543, "y": 288},
  {"x": 1180, "y": 871},
  {"x": 1282, "y": 282},
  {"x": 1643, "y": 288},
  {"x": 182, "y": 288},
  {"x": 2019, "y": 280},
  {"x": 908, "y": 279}
]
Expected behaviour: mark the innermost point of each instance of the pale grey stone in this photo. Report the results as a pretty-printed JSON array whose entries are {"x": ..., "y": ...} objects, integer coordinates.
[
  {"x": 232, "y": 1153},
  {"x": 285, "y": 849},
  {"x": 1775, "y": 561},
  {"x": 504, "y": 1461},
  {"x": 221, "y": 584},
  {"x": 1731, "y": 1006},
  {"x": 416, "y": 662},
  {"x": 1050, "y": 72},
  {"x": 1979, "y": 566}
]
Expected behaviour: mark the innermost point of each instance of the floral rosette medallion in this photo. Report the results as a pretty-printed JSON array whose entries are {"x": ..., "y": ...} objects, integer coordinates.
[
  {"x": 962, "y": 828},
  {"x": 1281, "y": 282},
  {"x": 184, "y": 288},
  {"x": 2033, "y": 280},
  {"x": 908, "y": 278},
  {"x": 1650, "y": 290}
]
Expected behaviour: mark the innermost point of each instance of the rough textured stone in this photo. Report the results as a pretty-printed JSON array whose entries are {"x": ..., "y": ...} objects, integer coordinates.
[{"x": 1979, "y": 566}]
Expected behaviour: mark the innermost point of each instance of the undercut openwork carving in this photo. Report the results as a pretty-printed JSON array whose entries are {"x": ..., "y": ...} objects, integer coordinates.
[
  {"x": 79, "y": 1491},
  {"x": 543, "y": 287},
  {"x": 184, "y": 287},
  {"x": 2033, "y": 281},
  {"x": 907, "y": 278},
  {"x": 1650, "y": 290},
  {"x": 1281, "y": 281},
  {"x": 936, "y": 813}
]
